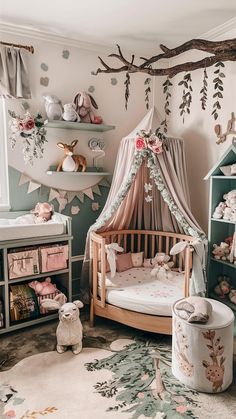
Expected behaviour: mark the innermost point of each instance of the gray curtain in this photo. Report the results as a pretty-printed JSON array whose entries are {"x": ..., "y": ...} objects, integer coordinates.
[{"x": 14, "y": 79}]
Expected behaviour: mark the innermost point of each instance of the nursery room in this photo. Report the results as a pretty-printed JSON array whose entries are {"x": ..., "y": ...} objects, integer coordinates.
[{"x": 117, "y": 209}]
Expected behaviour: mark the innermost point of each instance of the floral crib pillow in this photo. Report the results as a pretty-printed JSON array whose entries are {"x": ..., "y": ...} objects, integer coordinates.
[{"x": 137, "y": 259}]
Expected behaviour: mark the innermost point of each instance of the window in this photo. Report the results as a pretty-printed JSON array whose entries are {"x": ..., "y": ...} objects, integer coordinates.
[{"x": 4, "y": 185}]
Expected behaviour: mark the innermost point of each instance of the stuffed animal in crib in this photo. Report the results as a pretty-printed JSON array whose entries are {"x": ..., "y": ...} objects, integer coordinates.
[
  {"x": 223, "y": 287},
  {"x": 162, "y": 266},
  {"x": 69, "y": 330},
  {"x": 43, "y": 288},
  {"x": 70, "y": 113},
  {"x": 71, "y": 162},
  {"x": 84, "y": 104},
  {"x": 53, "y": 106},
  {"x": 43, "y": 212}
]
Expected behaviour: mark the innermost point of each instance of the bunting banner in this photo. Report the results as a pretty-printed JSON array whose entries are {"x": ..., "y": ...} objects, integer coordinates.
[{"x": 65, "y": 197}]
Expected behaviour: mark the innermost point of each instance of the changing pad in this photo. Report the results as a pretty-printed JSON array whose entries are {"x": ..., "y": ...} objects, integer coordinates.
[
  {"x": 10, "y": 229},
  {"x": 136, "y": 290}
]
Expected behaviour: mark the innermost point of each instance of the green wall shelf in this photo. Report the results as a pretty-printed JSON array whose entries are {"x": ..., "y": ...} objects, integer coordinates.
[
  {"x": 55, "y": 173},
  {"x": 79, "y": 126}
]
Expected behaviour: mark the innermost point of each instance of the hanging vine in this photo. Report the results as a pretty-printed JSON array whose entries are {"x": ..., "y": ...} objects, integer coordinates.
[
  {"x": 127, "y": 93},
  {"x": 186, "y": 95},
  {"x": 218, "y": 86},
  {"x": 166, "y": 91},
  {"x": 147, "y": 83},
  {"x": 203, "y": 91}
]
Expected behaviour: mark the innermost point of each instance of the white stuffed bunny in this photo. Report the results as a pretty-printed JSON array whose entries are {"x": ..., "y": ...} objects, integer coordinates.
[
  {"x": 163, "y": 265},
  {"x": 70, "y": 113},
  {"x": 53, "y": 106},
  {"x": 69, "y": 330}
]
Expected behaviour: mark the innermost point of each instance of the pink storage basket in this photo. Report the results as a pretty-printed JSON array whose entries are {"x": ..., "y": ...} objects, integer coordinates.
[
  {"x": 54, "y": 258},
  {"x": 23, "y": 263}
]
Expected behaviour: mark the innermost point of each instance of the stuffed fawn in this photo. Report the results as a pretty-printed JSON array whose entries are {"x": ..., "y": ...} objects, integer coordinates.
[
  {"x": 69, "y": 330},
  {"x": 71, "y": 162}
]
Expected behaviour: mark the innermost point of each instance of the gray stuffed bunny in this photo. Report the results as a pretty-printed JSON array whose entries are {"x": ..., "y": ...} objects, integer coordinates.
[{"x": 84, "y": 104}]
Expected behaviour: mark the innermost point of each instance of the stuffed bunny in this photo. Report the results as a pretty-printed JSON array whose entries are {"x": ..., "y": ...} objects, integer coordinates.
[
  {"x": 162, "y": 266},
  {"x": 43, "y": 212},
  {"x": 84, "y": 104},
  {"x": 70, "y": 113},
  {"x": 53, "y": 106},
  {"x": 69, "y": 330}
]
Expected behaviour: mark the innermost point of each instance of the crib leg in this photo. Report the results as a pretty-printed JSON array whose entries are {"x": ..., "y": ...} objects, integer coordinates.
[{"x": 91, "y": 321}]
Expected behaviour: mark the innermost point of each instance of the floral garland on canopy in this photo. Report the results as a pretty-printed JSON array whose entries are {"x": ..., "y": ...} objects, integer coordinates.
[{"x": 31, "y": 130}]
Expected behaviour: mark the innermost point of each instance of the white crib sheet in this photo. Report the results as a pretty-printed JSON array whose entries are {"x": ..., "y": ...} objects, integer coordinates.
[{"x": 136, "y": 290}]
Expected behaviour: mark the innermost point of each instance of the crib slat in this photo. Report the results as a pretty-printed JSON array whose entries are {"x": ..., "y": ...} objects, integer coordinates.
[
  {"x": 103, "y": 276},
  {"x": 139, "y": 242},
  {"x": 167, "y": 245},
  {"x": 125, "y": 243},
  {"x": 153, "y": 247},
  {"x": 174, "y": 257},
  {"x": 160, "y": 244},
  {"x": 95, "y": 268},
  {"x": 132, "y": 243},
  {"x": 146, "y": 246},
  {"x": 119, "y": 240}
]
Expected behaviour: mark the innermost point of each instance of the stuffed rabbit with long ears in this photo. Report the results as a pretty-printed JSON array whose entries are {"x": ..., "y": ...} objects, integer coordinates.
[
  {"x": 84, "y": 104},
  {"x": 69, "y": 330}
]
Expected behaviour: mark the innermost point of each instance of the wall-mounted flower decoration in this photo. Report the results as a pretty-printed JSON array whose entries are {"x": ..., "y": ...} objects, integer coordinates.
[{"x": 32, "y": 133}]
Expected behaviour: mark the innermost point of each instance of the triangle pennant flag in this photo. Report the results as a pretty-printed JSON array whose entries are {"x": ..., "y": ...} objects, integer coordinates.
[
  {"x": 62, "y": 203},
  {"x": 23, "y": 179},
  {"x": 80, "y": 196},
  {"x": 71, "y": 196},
  {"x": 53, "y": 194},
  {"x": 89, "y": 193},
  {"x": 104, "y": 182},
  {"x": 33, "y": 186},
  {"x": 62, "y": 193},
  {"x": 96, "y": 190}
]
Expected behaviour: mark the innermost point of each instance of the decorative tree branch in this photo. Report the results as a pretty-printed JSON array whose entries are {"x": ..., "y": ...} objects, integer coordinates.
[{"x": 220, "y": 50}]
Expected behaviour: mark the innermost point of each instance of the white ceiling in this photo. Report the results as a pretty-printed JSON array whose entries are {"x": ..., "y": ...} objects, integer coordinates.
[{"x": 138, "y": 25}]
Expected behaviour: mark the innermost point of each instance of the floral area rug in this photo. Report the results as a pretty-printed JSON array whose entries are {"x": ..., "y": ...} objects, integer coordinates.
[{"x": 131, "y": 380}]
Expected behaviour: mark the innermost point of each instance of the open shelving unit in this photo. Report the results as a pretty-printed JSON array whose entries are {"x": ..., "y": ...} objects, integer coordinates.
[
  {"x": 62, "y": 277},
  {"x": 219, "y": 229}
]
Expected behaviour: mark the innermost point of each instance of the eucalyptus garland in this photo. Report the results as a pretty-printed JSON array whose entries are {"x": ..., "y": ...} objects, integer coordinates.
[
  {"x": 127, "y": 93},
  {"x": 186, "y": 95},
  {"x": 147, "y": 83},
  {"x": 203, "y": 90},
  {"x": 166, "y": 91},
  {"x": 218, "y": 86}
]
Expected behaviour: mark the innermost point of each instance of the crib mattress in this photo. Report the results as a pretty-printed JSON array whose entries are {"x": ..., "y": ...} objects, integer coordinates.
[
  {"x": 136, "y": 290},
  {"x": 11, "y": 231}
]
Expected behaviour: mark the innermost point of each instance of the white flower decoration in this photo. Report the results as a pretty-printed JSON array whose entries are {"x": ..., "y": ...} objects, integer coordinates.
[{"x": 147, "y": 187}]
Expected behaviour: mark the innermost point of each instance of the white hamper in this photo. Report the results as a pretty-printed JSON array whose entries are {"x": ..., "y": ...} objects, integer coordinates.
[{"x": 202, "y": 354}]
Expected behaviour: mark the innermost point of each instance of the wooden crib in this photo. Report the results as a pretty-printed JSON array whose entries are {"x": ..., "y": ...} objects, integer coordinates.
[{"x": 150, "y": 242}]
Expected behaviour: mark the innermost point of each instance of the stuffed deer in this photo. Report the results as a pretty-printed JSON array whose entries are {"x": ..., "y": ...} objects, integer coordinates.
[
  {"x": 69, "y": 330},
  {"x": 71, "y": 162}
]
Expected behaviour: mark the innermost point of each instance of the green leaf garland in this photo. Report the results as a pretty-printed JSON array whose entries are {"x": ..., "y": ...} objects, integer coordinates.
[
  {"x": 203, "y": 90},
  {"x": 218, "y": 87},
  {"x": 186, "y": 95},
  {"x": 166, "y": 91}
]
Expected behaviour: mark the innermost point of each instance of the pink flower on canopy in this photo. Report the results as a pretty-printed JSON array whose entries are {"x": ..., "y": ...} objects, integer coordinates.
[
  {"x": 29, "y": 124},
  {"x": 21, "y": 125},
  {"x": 10, "y": 414},
  {"x": 140, "y": 143},
  {"x": 155, "y": 146},
  {"x": 181, "y": 409}
]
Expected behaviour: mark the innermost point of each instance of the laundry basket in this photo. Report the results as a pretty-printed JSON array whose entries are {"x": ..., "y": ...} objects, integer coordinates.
[{"x": 202, "y": 354}]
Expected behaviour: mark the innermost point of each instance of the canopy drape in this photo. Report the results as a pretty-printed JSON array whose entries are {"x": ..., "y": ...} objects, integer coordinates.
[{"x": 162, "y": 177}]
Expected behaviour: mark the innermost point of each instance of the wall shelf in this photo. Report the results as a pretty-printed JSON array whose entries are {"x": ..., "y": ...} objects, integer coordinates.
[
  {"x": 223, "y": 221},
  {"x": 224, "y": 262},
  {"x": 79, "y": 126},
  {"x": 76, "y": 174}
]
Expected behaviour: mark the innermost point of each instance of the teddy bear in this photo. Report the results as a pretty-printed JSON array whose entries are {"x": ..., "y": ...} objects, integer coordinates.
[
  {"x": 230, "y": 199},
  {"x": 44, "y": 287},
  {"x": 162, "y": 266},
  {"x": 70, "y": 113},
  {"x": 227, "y": 213},
  {"x": 53, "y": 106},
  {"x": 232, "y": 296},
  {"x": 220, "y": 252},
  {"x": 223, "y": 287},
  {"x": 219, "y": 210}
]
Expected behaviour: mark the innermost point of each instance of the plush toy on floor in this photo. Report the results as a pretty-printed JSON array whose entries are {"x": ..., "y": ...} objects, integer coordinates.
[{"x": 69, "y": 330}]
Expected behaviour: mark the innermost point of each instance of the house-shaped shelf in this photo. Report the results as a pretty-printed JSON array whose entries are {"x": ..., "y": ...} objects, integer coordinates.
[{"x": 220, "y": 229}]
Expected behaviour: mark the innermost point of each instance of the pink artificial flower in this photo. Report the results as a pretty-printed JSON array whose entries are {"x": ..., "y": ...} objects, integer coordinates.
[
  {"x": 29, "y": 124},
  {"x": 155, "y": 146},
  {"x": 21, "y": 125},
  {"x": 141, "y": 395},
  {"x": 181, "y": 409},
  {"x": 140, "y": 143},
  {"x": 10, "y": 414}
]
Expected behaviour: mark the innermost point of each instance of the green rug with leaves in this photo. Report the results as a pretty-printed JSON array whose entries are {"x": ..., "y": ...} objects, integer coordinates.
[{"x": 131, "y": 380}]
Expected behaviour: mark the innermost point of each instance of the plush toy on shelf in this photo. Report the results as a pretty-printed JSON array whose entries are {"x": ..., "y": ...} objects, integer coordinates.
[
  {"x": 162, "y": 266},
  {"x": 69, "y": 330},
  {"x": 70, "y": 113},
  {"x": 53, "y": 106},
  {"x": 71, "y": 162},
  {"x": 84, "y": 104},
  {"x": 227, "y": 209},
  {"x": 223, "y": 287},
  {"x": 43, "y": 288},
  {"x": 232, "y": 296},
  {"x": 219, "y": 210},
  {"x": 220, "y": 252},
  {"x": 230, "y": 199}
]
